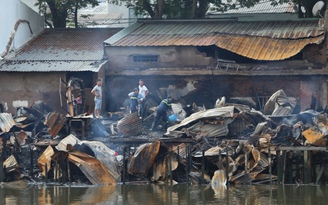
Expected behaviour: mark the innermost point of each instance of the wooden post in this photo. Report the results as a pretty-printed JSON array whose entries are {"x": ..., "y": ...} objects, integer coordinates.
[
  {"x": 289, "y": 163},
  {"x": 46, "y": 172},
  {"x": 166, "y": 170},
  {"x": 203, "y": 166},
  {"x": 284, "y": 166},
  {"x": 220, "y": 160},
  {"x": 4, "y": 150},
  {"x": 246, "y": 174},
  {"x": 170, "y": 167},
  {"x": 1, "y": 168},
  {"x": 270, "y": 166},
  {"x": 124, "y": 165},
  {"x": 190, "y": 159},
  {"x": 56, "y": 172},
  {"x": 64, "y": 168},
  {"x": 31, "y": 162},
  {"x": 279, "y": 167},
  {"x": 178, "y": 155},
  {"x": 16, "y": 149},
  {"x": 68, "y": 171},
  {"x": 227, "y": 166},
  {"x": 2, "y": 157},
  {"x": 307, "y": 167},
  {"x": 187, "y": 164}
]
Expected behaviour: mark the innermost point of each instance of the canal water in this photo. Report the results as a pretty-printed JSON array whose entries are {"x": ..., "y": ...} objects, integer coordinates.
[{"x": 144, "y": 194}]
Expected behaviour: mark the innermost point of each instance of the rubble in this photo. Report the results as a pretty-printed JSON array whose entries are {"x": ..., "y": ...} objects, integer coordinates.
[{"x": 228, "y": 144}]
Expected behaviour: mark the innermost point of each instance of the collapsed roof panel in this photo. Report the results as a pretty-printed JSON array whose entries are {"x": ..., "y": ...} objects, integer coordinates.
[{"x": 272, "y": 40}]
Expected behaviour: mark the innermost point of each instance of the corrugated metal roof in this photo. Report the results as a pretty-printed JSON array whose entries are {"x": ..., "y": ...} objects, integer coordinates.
[
  {"x": 66, "y": 44},
  {"x": 249, "y": 39},
  {"x": 60, "y": 50},
  {"x": 50, "y": 66}
]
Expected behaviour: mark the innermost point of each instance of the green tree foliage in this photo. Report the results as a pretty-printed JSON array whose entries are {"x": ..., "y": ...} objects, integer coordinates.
[
  {"x": 61, "y": 10},
  {"x": 157, "y": 9}
]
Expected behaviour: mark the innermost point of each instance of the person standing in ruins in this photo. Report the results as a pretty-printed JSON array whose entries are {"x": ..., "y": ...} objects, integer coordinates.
[
  {"x": 143, "y": 90},
  {"x": 97, "y": 92}
]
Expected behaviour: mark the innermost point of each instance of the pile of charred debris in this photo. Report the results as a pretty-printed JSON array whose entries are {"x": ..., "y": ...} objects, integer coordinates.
[{"x": 231, "y": 142}]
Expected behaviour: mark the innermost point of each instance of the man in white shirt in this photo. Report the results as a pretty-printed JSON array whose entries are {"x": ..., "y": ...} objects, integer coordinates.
[{"x": 143, "y": 90}]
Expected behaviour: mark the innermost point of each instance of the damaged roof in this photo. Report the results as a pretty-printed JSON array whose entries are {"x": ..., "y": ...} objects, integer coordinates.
[
  {"x": 60, "y": 50},
  {"x": 269, "y": 40}
]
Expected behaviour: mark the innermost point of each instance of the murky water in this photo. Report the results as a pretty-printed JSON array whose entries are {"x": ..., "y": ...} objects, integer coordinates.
[{"x": 163, "y": 194}]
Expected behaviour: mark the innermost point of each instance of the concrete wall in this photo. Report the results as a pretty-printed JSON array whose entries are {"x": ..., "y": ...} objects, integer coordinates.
[
  {"x": 10, "y": 12},
  {"x": 23, "y": 89},
  {"x": 207, "y": 89},
  {"x": 122, "y": 57}
]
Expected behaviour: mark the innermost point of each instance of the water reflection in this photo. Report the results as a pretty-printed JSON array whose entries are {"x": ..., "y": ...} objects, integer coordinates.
[{"x": 21, "y": 193}]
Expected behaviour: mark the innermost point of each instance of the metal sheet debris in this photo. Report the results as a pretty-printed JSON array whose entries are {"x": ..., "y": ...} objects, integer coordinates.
[
  {"x": 143, "y": 158},
  {"x": 92, "y": 168},
  {"x": 6, "y": 122}
]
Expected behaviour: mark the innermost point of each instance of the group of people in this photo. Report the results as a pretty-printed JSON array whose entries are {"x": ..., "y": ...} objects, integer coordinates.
[
  {"x": 137, "y": 104},
  {"x": 138, "y": 98}
]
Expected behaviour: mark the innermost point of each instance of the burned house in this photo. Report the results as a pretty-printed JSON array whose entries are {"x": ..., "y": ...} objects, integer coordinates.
[
  {"x": 199, "y": 61},
  {"x": 40, "y": 69}
]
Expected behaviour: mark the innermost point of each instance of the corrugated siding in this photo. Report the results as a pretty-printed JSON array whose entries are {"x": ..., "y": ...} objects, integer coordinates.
[{"x": 274, "y": 40}]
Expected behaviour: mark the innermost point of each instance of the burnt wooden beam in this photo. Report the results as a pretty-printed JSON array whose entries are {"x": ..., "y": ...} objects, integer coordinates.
[
  {"x": 307, "y": 167},
  {"x": 302, "y": 148},
  {"x": 133, "y": 140}
]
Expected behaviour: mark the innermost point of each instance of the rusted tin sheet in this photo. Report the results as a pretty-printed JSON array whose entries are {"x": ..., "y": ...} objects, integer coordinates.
[
  {"x": 130, "y": 124},
  {"x": 143, "y": 158},
  {"x": 263, "y": 48},
  {"x": 162, "y": 166},
  {"x": 45, "y": 159},
  {"x": 92, "y": 168},
  {"x": 6, "y": 122},
  {"x": 55, "y": 122},
  {"x": 314, "y": 137}
]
